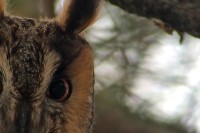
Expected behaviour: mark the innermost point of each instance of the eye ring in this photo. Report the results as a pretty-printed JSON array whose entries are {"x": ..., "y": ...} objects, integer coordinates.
[{"x": 60, "y": 90}]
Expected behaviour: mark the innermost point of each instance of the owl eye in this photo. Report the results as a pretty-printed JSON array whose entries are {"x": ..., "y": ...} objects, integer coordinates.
[{"x": 59, "y": 90}]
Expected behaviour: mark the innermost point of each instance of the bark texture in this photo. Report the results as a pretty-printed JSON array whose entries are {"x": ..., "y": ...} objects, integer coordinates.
[{"x": 181, "y": 15}]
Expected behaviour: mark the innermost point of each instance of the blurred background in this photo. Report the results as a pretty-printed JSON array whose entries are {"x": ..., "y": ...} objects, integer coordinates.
[{"x": 146, "y": 80}]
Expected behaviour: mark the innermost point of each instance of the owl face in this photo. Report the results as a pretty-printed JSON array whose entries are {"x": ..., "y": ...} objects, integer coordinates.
[{"x": 46, "y": 72}]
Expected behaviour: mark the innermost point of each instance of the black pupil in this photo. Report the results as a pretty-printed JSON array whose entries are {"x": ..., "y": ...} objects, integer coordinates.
[{"x": 57, "y": 90}]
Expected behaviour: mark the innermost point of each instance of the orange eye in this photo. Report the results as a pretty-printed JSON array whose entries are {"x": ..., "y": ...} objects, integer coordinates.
[{"x": 60, "y": 90}]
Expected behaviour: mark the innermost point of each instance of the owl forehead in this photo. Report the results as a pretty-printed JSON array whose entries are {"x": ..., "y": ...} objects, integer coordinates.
[
  {"x": 24, "y": 49},
  {"x": 26, "y": 64},
  {"x": 35, "y": 50}
]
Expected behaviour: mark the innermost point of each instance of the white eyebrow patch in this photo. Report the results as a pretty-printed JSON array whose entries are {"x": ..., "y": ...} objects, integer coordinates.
[{"x": 51, "y": 62}]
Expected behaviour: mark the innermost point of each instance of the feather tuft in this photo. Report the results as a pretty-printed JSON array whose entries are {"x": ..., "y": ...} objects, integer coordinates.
[
  {"x": 77, "y": 15},
  {"x": 2, "y": 7}
]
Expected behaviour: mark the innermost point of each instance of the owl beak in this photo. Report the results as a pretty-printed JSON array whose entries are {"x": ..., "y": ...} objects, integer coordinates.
[{"x": 23, "y": 118}]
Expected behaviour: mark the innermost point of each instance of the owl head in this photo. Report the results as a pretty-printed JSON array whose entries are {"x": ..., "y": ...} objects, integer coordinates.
[{"x": 46, "y": 71}]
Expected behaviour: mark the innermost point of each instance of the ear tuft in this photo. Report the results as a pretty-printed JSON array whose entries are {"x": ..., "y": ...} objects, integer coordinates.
[
  {"x": 77, "y": 15},
  {"x": 2, "y": 7},
  {"x": 62, "y": 19}
]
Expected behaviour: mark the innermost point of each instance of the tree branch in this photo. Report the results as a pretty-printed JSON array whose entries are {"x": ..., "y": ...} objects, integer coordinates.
[{"x": 181, "y": 15}]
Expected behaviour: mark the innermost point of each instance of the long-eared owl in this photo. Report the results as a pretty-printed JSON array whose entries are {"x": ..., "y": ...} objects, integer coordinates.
[{"x": 46, "y": 71}]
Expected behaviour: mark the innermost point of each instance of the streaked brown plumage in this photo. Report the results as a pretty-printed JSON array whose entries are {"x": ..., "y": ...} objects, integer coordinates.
[{"x": 36, "y": 53}]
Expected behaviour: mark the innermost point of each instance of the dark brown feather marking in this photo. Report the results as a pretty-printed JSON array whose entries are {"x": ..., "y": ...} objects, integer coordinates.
[{"x": 26, "y": 60}]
